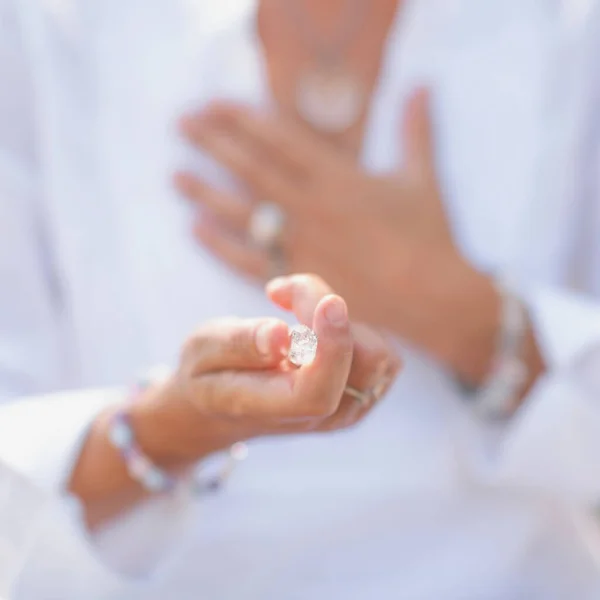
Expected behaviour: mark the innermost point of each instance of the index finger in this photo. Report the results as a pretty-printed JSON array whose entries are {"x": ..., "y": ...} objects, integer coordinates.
[
  {"x": 282, "y": 138},
  {"x": 232, "y": 343},
  {"x": 299, "y": 294}
]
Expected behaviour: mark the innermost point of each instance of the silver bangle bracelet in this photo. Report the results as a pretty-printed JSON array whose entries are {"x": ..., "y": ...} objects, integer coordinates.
[{"x": 496, "y": 398}]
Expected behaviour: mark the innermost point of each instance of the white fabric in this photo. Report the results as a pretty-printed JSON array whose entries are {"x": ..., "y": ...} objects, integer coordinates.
[
  {"x": 417, "y": 503},
  {"x": 26, "y": 505}
]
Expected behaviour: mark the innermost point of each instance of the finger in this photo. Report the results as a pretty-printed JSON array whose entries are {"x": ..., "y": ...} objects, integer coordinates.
[
  {"x": 229, "y": 148},
  {"x": 374, "y": 360},
  {"x": 352, "y": 410},
  {"x": 299, "y": 294},
  {"x": 243, "y": 344},
  {"x": 300, "y": 150},
  {"x": 349, "y": 413},
  {"x": 303, "y": 396},
  {"x": 236, "y": 252},
  {"x": 262, "y": 396},
  {"x": 417, "y": 134},
  {"x": 233, "y": 210},
  {"x": 374, "y": 368},
  {"x": 320, "y": 385}
]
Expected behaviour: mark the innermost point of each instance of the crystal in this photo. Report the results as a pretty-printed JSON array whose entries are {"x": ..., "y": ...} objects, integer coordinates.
[{"x": 303, "y": 345}]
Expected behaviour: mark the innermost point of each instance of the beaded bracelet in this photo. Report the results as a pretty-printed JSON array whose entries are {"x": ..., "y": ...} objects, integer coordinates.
[{"x": 151, "y": 477}]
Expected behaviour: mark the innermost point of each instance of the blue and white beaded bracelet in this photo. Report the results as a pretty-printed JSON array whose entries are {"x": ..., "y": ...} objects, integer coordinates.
[{"x": 151, "y": 477}]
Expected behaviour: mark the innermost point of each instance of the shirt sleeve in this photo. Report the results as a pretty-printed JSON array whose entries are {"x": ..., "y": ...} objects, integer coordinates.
[
  {"x": 21, "y": 508},
  {"x": 41, "y": 437},
  {"x": 553, "y": 443}
]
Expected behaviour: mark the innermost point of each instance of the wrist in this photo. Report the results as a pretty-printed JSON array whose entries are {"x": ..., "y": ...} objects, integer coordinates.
[
  {"x": 474, "y": 319},
  {"x": 474, "y": 310},
  {"x": 169, "y": 431},
  {"x": 463, "y": 310}
]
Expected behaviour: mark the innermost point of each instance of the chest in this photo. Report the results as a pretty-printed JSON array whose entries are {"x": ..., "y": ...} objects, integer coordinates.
[{"x": 124, "y": 236}]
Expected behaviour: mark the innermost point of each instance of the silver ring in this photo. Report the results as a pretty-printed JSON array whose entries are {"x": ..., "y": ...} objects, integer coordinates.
[
  {"x": 265, "y": 226},
  {"x": 265, "y": 230},
  {"x": 365, "y": 399},
  {"x": 370, "y": 396}
]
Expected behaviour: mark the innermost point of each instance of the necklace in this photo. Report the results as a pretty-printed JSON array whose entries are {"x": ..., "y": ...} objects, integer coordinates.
[{"x": 329, "y": 95}]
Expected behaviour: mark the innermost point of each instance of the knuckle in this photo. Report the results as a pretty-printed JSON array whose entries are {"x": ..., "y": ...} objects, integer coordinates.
[
  {"x": 235, "y": 407},
  {"x": 201, "y": 396},
  {"x": 190, "y": 350},
  {"x": 206, "y": 339},
  {"x": 220, "y": 394},
  {"x": 241, "y": 341}
]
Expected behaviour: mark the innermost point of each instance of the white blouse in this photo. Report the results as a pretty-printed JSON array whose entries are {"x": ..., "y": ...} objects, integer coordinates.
[
  {"x": 23, "y": 507},
  {"x": 100, "y": 278}
]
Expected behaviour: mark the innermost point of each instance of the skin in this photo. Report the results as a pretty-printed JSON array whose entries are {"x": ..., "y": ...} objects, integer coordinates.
[
  {"x": 233, "y": 383},
  {"x": 383, "y": 242}
]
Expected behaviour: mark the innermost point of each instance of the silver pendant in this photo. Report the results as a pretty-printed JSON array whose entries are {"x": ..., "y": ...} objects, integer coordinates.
[{"x": 330, "y": 98}]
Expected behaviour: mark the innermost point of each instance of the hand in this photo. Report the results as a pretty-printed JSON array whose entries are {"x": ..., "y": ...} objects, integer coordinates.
[
  {"x": 383, "y": 242},
  {"x": 234, "y": 383},
  {"x": 349, "y": 227}
]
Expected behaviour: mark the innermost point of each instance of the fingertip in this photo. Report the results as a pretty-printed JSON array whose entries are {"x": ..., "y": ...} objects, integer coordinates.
[
  {"x": 417, "y": 99},
  {"x": 183, "y": 183},
  {"x": 187, "y": 124},
  {"x": 300, "y": 293},
  {"x": 421, "y": 92},
  {"x": 271, "y": 338},
  {"x": 221, "y": 111},
  {"x": 279, "y": 287},
  {"x": 332, "y": 326},
  {"x": 332, "y": 312}
]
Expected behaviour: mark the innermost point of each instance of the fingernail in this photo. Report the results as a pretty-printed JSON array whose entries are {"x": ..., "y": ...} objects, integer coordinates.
[
  {"x": 263, "y": 339},
  {"x": 336, "y": 312}
]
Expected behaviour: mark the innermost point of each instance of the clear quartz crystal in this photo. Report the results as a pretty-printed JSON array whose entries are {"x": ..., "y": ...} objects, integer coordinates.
[{"x": 303, "y": 345}]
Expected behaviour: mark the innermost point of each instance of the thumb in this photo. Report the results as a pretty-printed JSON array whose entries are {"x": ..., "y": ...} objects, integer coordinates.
[{"x": 417, "y": 136}]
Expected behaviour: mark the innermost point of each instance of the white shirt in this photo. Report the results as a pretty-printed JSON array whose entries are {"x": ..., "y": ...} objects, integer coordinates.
[
  {"x": 422, "y": 501},
  {"x": 22, "y": 507}
]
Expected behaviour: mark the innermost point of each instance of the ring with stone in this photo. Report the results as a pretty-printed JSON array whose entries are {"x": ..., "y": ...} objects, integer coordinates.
[{"x": 265, "y": 226}]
